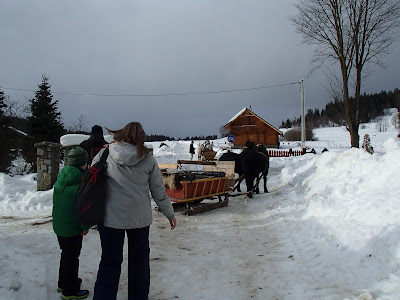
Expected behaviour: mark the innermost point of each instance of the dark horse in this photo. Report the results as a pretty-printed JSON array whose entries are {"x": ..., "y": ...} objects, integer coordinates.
[
  {"x": 255, "y": 164},
  {"x": 252, "y": 162}
]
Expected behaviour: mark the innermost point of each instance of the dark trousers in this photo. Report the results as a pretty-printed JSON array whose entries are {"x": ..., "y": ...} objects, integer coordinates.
[
  {"x": 112, "y": 243},
  {"x": 69, "y": 264}
]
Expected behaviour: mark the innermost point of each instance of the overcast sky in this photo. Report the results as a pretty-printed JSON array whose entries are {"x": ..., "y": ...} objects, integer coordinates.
[{"x": 163, "y": 47}]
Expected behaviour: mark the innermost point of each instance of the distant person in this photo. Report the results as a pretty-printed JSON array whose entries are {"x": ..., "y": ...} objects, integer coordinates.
[
  {"x": 95, "y": 142},
  {"x": 66, "y": 224},
  {"x": 324, "y": 150},
  {"x": 200, "y": 149},
  {"x": 208, "y": 145},
  {"x": 191, "y": 150},
  {"x": 132, "y": 173}
]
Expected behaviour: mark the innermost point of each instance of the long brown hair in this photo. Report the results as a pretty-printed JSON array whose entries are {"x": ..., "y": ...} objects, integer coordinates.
[{"x": 134, "y": 134}]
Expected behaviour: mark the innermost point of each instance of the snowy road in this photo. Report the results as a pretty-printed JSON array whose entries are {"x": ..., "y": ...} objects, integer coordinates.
[{"x": 251, "y": 249}]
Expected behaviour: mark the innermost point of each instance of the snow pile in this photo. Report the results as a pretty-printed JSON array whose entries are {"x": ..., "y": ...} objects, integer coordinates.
[
  {"x": 19, "y": 193},
  {"x": 76, "y": 139}
]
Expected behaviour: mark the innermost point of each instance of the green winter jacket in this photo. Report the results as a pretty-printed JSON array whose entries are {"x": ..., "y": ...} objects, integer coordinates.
[{"x": 65, "y": 219}]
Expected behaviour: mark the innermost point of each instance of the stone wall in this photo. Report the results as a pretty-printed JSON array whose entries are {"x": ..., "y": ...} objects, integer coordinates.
[{"x": 48, "y": 164}]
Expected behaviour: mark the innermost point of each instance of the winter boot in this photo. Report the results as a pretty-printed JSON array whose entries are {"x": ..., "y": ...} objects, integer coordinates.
[
  {"x": 81, "y": 294},
  {"x": 60, "y": 289}
]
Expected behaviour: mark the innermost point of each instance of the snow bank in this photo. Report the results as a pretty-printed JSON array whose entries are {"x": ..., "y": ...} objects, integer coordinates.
[{"x": 19, "y": 194}]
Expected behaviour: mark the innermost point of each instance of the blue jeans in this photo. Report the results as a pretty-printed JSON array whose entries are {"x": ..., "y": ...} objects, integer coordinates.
[{"x": 112, "y": 243}]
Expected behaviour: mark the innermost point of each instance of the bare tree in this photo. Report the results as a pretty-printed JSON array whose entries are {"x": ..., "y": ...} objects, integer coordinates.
[
  {"x": 15, "y": 108},
  {"x": 381, "y": 124},
  {"x": 223, "y": 132},
  {"x": 79, "y": 125},
  {"x": 352, "y": 33}
]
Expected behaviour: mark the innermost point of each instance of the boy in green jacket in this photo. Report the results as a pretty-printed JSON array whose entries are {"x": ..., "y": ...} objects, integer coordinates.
[{"x": 66, "y": 224}]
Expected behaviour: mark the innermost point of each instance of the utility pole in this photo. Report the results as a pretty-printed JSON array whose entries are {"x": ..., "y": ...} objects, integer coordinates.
[{"x": 303, "y": 119}]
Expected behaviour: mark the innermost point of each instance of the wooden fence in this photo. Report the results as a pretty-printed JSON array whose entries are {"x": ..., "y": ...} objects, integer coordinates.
[{"x": 283, "y": 153}]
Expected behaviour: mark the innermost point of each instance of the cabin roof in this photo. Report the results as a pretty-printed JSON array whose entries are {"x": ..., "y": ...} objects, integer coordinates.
[{"x": 248, "y": 111}]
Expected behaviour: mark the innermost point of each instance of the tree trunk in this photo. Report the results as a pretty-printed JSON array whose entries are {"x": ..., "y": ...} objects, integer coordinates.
[
  {"x": 352, "y": 127},
  {"x": 355, "y": 138}
]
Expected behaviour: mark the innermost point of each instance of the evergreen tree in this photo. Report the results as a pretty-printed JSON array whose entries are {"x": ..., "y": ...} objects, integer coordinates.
[
  {"x": 45, "y": 123},
  {"x": 5, "y": 157},
  {"x": 3, "y": 106},
  {"x": 5, "y": 151},
  {"x": 366, "y": 145}
]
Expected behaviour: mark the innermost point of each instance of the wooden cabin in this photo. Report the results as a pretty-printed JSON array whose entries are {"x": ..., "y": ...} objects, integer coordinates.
[{"x": 247, "y": 126}]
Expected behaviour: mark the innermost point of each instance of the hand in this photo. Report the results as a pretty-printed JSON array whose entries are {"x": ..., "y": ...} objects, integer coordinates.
[
  {"x": 85, "y": 232},
  {"x": 173, "y": 223}
]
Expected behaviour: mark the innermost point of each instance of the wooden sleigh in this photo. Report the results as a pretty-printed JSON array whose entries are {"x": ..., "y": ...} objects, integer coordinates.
[{"x": 196, "y": 191}]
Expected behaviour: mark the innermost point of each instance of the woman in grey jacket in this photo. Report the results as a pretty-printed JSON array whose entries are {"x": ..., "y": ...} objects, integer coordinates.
[{"x": 132, "y": 174}]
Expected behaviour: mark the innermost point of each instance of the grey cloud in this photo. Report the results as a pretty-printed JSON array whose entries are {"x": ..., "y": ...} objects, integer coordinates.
[{"x": 159, "y": 47}]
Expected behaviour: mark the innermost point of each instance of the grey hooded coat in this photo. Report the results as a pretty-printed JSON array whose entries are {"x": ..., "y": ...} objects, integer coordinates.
[{"x": 130, "y": 180}]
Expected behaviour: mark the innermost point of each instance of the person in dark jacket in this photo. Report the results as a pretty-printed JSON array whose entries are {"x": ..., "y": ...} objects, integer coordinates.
[
  {"x": 191, "y": 150},
  {"x": 95, "y": 142},
  {"x": 66, "y": 224},
  {"x": 132, "y": 172}
]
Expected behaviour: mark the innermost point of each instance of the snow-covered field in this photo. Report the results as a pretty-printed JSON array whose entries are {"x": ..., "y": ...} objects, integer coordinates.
[{"x": 328, "y": 229}]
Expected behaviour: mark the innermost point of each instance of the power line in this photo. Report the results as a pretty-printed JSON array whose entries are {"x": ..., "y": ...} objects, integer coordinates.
[{"x": 158, "y": 95}]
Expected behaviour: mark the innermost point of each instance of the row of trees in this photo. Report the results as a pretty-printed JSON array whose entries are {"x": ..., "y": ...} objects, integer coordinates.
[
  {"x": 161, "y": 138},
  {"x": 372, "y": 106},
  {"x": 201, "y": 137}
]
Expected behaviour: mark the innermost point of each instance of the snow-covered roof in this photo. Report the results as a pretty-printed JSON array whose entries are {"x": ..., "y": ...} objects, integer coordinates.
[
  {"x": 76, "y": 139},
  {"x": 237, "y": 115}
]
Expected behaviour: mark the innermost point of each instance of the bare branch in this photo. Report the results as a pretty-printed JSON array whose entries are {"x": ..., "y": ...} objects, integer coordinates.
[{"x": 352, "y": 33}]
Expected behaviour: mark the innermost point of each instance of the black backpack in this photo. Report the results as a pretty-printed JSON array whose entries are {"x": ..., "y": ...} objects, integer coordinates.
[{"x": 92, "y": 193}]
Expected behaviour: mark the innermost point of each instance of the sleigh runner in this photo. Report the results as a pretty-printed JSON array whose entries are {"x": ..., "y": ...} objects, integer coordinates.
[{"x": 196, "y": 191}]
